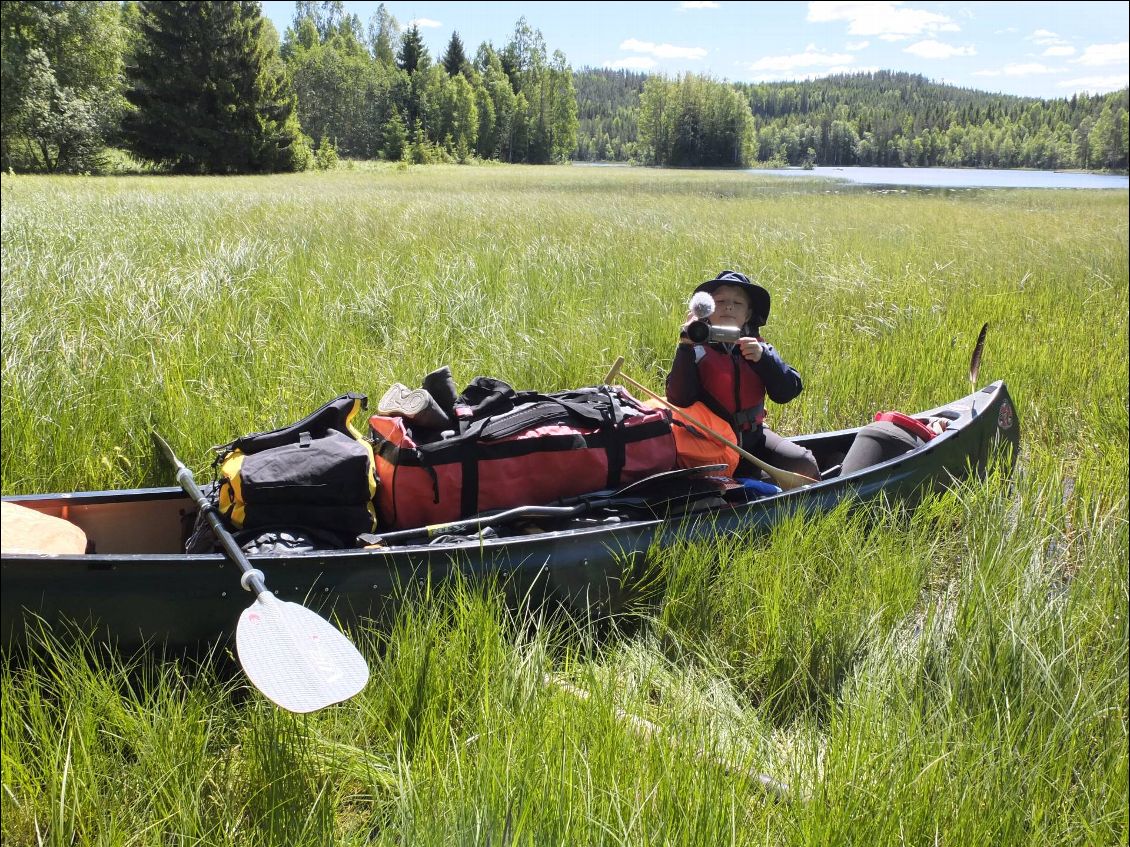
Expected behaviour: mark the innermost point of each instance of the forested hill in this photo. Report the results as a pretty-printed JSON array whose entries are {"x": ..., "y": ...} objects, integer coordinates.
[
  {"x": 888, "y": 92},
  {"x": 608, "y": 111},
  {"x": 881, "y": 118},
  {"x": 211, "y": 87}
]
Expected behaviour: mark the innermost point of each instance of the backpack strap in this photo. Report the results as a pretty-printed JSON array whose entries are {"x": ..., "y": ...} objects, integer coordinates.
[{"x": 335, "y": 414}]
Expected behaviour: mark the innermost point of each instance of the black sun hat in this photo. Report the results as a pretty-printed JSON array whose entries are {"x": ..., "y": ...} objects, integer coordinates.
[{"x": 758, "y": 296}]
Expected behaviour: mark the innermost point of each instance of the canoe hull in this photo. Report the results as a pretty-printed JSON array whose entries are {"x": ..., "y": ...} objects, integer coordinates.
[{"x": 134, "y": 596}]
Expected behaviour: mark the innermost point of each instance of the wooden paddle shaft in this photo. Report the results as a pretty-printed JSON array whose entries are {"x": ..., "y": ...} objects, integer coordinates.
[{"x": 786, "y": 479}]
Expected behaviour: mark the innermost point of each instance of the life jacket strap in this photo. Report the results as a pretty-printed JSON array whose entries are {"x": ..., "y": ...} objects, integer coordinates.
[
  {"x": 907, "y": 423},
  {"x": 751, "y": 417}
]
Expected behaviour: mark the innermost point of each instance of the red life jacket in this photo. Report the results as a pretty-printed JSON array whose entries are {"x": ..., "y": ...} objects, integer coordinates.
[{"x": 732, "y": 388}]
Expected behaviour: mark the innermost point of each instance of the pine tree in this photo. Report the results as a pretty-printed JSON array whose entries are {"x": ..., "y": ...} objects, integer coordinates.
[
  {"x": 455, "y": 58},
  {"x": 412, "y": 53},
  {"x": 210, "y": 93}
]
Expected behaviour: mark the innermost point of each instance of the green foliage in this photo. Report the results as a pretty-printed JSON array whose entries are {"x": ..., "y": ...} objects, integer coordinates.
[
  {"x": 694, "y": 122},
  {"x": 60, "y": 131},
  {"x": 955, "y": 675},
  {"x": 544, "y": 124},
  {"x": 1108, "y": 138},
  {"x": 497, "y": 120},
  {"x": 384, "y": 31},
  {"x": 325, "y": 157},
  {"x": 422, "y": 151},
  {"x": 326, "y": 16},
  {"x": 898, "y": 119},
  {"x": 881, "y": 118},
  {"x": 413, "y": 54},
  {"x": 355, "y": 98},
  {"x": 608, "y": 105},
  {"x": 210, "y": 94},
  {"x": 61, "y": 78},
  {"x": 454, "y": 59},
  {"x": 342, "y": 94},
  {"x": 395, "y": 139}
]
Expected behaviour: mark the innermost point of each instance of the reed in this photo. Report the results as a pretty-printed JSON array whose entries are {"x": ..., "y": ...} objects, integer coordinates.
[{"x": 956, "y": 674}]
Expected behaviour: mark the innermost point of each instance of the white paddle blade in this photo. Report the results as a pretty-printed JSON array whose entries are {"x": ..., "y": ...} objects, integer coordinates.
[{"x": 297, "y": 658}]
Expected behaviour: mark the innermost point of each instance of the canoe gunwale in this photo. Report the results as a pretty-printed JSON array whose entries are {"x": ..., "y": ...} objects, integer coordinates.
[
  {"x": 183, "y": 600},
  {"x": 961, "y": 427}
]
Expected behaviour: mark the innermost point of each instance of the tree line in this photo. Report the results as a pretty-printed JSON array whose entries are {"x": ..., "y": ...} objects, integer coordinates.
[
  {"x": 882, "y": 118},
  {"x": 608, "y": 111},
  {"x": 209, "y": 87},
  {"x": 377, "y": 93}
]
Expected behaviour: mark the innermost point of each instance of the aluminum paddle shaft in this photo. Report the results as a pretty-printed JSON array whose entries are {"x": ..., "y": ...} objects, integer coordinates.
[{"x": 295, "y": 657}]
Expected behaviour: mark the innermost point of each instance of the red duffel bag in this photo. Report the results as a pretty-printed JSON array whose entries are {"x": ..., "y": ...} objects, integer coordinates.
[{"x": 515, "y": 449}]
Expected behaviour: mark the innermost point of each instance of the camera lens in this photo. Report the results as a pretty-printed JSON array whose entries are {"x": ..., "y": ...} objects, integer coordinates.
[{"x": 698, "y": 331}]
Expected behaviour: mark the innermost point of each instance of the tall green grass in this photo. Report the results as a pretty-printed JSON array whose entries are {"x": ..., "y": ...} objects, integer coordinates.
[{"x": 956, "y": 674}]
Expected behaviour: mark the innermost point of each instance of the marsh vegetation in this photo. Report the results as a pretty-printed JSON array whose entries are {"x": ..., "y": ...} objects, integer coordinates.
[{"x": 954, "y": 675}]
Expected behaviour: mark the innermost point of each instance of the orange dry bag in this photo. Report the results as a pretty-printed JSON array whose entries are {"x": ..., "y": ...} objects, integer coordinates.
[{"x": 695, "y": 448}]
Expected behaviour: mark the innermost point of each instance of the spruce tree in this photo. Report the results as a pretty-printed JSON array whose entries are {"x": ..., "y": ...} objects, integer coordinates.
[
  {"x": 395, "y": 137},
  {"x": 455, "y": 58},
  {"x": 209, "y": 91},
  {"x": 412, "y": 53}
]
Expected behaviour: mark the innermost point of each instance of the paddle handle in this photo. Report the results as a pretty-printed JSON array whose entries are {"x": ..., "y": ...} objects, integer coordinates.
[{"x": 786, "y": 479}]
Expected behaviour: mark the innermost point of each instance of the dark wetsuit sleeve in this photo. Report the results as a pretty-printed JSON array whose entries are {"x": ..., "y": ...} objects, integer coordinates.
[
  {"x": 782, "y": 382},
  {"x": 683, "y": 386}
]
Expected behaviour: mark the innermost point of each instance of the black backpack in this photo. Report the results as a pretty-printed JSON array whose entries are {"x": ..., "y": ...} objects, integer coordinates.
[{"x": 317, "y": 473}]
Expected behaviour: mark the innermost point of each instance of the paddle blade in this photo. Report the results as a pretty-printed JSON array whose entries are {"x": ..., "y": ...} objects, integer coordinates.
[
  {"x": 975, "y": 361},
  {"x": 298, "y": 659}
]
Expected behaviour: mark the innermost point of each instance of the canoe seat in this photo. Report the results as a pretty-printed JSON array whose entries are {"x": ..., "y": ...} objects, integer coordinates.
[{"x": 24, "y": 530}]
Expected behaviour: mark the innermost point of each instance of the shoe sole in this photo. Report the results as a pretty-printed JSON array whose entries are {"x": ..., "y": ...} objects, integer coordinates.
[{"x": 399, "y": 400}]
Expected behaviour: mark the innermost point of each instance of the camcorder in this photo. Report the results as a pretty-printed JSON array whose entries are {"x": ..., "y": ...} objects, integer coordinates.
[{"x": 703, "y": 332}]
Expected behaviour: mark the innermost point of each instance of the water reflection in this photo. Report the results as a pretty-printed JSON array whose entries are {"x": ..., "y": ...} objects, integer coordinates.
[{"x": 957, "y": 177}]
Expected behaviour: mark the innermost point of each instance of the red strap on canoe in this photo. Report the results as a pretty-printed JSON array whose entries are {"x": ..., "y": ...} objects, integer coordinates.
[{"x": 911, "y": 425}]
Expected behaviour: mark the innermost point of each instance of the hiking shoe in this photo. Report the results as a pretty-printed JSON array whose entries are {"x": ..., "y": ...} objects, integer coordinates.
[
  {"x": 441, "y": 386},
  {"x": 415, "y": 405}
]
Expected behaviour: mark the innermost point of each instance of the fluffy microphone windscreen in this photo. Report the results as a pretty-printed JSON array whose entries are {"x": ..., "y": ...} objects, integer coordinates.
[{"x": 702, "y": 305}]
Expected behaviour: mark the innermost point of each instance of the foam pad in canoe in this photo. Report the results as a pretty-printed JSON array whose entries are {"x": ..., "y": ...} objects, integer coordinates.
[{"x": 24, "y": 530}]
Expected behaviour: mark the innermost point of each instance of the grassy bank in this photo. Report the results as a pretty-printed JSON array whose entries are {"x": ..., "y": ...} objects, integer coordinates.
[{"x": 956, "y": 676}]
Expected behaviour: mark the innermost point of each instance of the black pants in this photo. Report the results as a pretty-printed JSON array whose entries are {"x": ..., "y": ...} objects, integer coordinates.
[
  {"x": 877, "y": 442},
  {"x": 777, "y": 451}
]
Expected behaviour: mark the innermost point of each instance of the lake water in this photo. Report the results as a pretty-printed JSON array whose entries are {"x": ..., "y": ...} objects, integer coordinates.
[{"x": 957, "y": 177}]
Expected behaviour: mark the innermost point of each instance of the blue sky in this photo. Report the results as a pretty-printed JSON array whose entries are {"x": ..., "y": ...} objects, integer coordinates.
[{"x": 1032, "y": 49}]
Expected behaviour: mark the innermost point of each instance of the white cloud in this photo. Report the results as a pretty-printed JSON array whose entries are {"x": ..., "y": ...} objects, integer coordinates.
[
  {"x": 889, "y": 21},
  {"x": 857, "y": 45},
  {"x": 1096, "y": 84},
  {"x": 811, "y": 57},
  {"x": 698, "y": 4},
  {"x": 1105, "y": 54},
  {"x": 931, "y": 49},
  {"x": 632, "y": 63},
  {"x": 1018, "y": 69},
  {"x": 1044, "y": 36},
  {"x": 426, "y": 23},
  {"x": 1060, "y": 50},
  {"x": 663, "y": 51}
]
